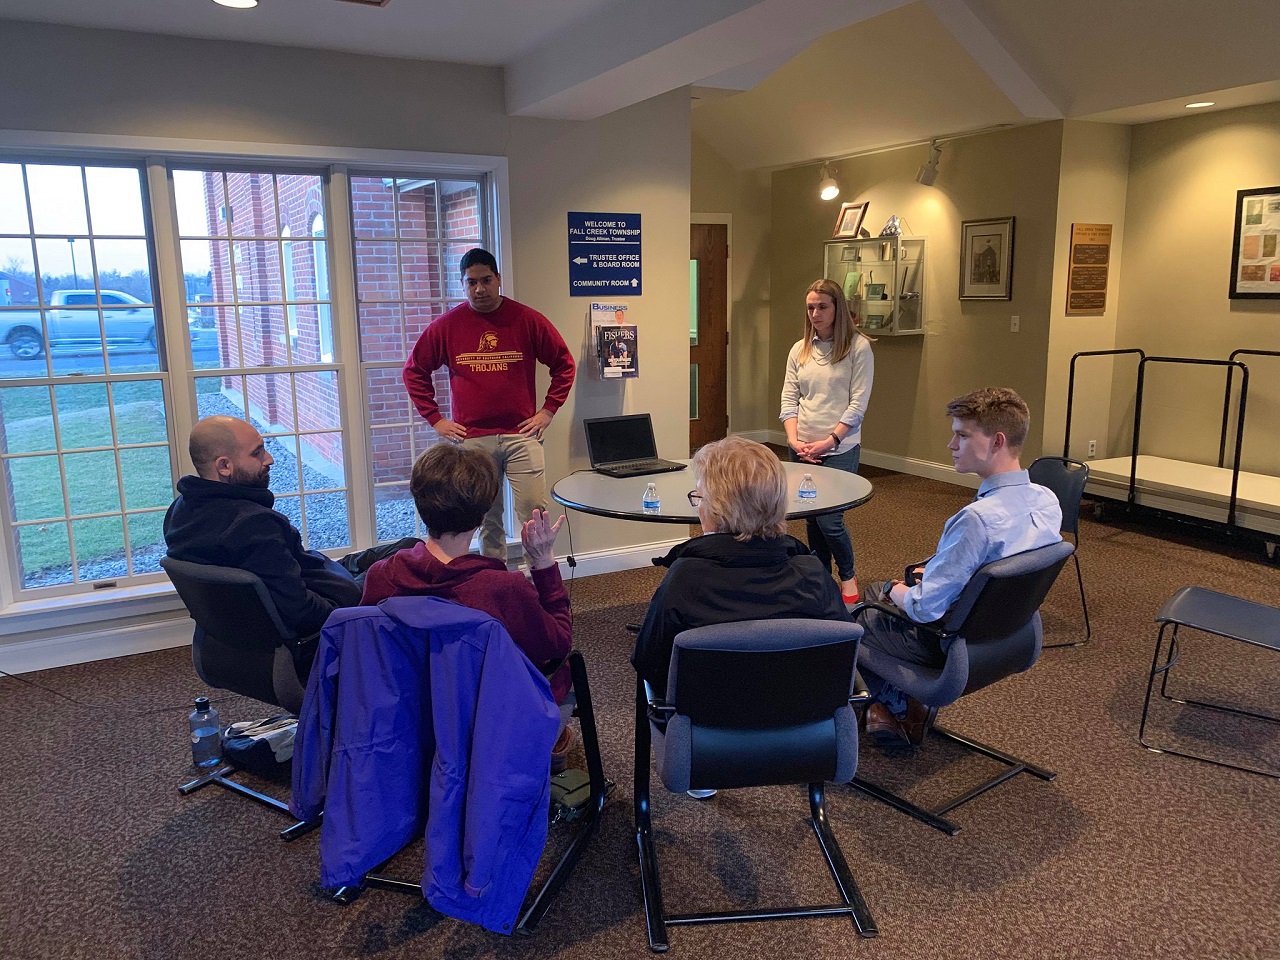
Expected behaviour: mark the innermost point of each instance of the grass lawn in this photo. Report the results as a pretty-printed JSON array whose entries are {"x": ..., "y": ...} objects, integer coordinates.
[{"x": 93, "y": 480}]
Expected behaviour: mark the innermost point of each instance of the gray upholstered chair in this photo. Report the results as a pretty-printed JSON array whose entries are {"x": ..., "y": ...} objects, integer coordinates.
[
  {"x": 241, "y": 644},
  {"x": 755, "y": 703},
  {"x": 991, "y": 631},
  {"x": 1066, "y": 478}
]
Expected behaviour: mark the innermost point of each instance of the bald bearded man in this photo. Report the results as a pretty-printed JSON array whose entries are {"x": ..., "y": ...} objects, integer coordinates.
[{"x": 223, "y": 516}]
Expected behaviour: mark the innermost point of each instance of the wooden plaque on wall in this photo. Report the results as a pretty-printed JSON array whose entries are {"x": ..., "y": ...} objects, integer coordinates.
[{"x": 1089, "y": 270}]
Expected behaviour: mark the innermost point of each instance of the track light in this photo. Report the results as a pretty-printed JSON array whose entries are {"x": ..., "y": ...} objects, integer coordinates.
[
  {"x": 828, "y": 189},
  {"x": 928, "y": 171}
]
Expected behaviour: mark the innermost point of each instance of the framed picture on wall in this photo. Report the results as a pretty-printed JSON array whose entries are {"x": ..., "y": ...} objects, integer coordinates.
[
  {"x": 986, "y": 259},
  {"x": 850, "y": 220},
  {"x": 1255, "y": 260}
]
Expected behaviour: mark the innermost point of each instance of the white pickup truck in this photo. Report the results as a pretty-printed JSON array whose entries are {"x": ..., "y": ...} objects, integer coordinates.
[{"x": 72, "y": 322}]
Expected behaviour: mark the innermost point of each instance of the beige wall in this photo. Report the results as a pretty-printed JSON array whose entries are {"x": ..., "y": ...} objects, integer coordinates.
[
  {"x": 966, "y": 344},
  {"x": 719, "y": 192},
  {"x": 633, "y": 161},
  {"x": 1092, "y": 189},
  {"x": 1183, "y": 178}
]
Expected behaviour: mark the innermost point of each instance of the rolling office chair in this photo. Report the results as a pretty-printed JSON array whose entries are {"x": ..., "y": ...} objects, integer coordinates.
[
  {"x": 750, "y": 704},
  {"x": 1066, "y": 478},
  {"x": 990, "y": 632},
  {"x": 240, "y": 644}
]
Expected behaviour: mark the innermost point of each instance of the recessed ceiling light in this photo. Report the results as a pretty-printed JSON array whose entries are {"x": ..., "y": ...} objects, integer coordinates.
[
  {"x": 1200, "y": 103},
  {"x": 237, "y": 4}
]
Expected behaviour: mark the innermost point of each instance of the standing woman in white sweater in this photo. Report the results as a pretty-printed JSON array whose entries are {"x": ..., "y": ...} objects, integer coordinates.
[{"x": 824, "y": 398}]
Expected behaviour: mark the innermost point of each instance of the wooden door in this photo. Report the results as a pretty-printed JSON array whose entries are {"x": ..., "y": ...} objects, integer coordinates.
[{"x": 709, "y": 333}]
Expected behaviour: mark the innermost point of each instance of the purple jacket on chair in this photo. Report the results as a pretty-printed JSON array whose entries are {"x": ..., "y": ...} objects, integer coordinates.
[{"x": 421, "y": 712}]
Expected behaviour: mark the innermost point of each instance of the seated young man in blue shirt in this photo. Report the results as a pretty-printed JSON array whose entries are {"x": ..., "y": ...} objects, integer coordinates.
[{"x": 1009, "y": 515}]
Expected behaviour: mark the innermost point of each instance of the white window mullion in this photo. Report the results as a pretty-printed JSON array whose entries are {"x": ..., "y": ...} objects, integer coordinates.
[
  {"x": 171, "y": 311},
  {"x": 345, "y": 318}
]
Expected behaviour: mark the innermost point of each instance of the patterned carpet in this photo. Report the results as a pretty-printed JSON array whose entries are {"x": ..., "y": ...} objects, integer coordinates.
[{"x": 1127, "y": 854}]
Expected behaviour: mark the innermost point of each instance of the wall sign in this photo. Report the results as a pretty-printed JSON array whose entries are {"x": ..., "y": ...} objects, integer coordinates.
[
  {"x": 1088, "y": 273},
  {"x": 604, "y": 255}
]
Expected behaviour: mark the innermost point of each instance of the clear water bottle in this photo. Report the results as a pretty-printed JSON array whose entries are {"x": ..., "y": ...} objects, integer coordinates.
[
  {"x": 808, "y": 490},
  {"x": 650, "y": 500},
  {"x": 206, "y": 734}
]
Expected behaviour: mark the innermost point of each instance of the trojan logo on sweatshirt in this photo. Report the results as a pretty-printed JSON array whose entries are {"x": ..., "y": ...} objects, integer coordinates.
[{"x": 487, "y": 357}]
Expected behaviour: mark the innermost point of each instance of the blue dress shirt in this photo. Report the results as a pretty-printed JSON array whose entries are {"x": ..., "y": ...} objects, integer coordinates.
[{"x": 1010, "y": 514}]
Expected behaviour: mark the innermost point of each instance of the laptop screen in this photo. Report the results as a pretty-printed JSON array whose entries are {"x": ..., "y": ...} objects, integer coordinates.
[{"x": 613, "y": 439}]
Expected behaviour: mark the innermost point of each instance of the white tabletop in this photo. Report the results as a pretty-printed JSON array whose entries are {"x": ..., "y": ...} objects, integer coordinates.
[{"x": 591, "y": 492}]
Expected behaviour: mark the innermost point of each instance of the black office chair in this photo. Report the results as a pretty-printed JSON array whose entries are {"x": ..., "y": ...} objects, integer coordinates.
[
  {"x": 750, "y": 704},
  {"x": 990, "y": 632},
  {"x": 240, "y": 644},
  {"x": 1066, "y": 478}
]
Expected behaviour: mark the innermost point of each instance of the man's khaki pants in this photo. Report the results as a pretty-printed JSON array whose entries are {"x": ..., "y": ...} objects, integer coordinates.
[{"x": 520, "y": 460}]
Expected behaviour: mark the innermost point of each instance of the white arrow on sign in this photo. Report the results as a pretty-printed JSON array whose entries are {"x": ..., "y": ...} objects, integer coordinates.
[
  {"x": 635, "y": 282},
  {"x": 580, "y": 260}
]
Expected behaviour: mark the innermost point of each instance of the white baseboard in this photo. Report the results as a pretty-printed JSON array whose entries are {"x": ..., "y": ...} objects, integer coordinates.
[
  {"x": 919, "y": 468},
  {"x": 614, "y": 560},
  {"x": 28, "y": 655}
]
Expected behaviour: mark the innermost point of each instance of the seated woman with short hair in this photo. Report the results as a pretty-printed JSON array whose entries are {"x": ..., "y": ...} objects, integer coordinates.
[
  {"x": 453, "y": 488},
  {"x": 744, "y": 567}
]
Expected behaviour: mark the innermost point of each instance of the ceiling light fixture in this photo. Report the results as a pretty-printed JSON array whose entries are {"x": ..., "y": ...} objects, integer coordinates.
[
  {"x": 237, "y": 4},
  {"x": 928, "y": 171},
  {"x": 828, "y": 189},
  {"x": 1199, "y": 103}
]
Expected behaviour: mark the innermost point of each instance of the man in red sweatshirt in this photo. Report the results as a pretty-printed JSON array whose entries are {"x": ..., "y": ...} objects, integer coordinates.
[{"x": 491, "y": 346}]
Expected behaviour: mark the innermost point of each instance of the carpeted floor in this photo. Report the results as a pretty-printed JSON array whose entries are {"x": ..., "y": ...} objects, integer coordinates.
[{"x": 1127, "y": 854}]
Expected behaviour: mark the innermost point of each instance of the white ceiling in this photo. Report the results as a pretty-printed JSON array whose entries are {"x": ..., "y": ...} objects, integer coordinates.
[{"x": 783, "y": 81}]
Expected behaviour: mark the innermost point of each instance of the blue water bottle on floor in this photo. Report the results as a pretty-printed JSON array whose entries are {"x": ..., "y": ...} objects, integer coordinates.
[{"x": 206, "y": 734}]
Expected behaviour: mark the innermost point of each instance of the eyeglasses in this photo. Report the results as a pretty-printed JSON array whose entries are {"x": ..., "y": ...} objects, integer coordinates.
[{"x": 695, "y": 498}]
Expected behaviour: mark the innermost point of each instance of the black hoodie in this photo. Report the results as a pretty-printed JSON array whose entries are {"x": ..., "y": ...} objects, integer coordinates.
[
  {"x": 717, "y": 579},
  {"x": 230, "y": 525}
]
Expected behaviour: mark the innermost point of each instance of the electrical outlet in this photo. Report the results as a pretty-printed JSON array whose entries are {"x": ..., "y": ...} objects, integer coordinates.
[
  {"x": 1093, "y": 449},
  {"x": 1014, "y": 324}
]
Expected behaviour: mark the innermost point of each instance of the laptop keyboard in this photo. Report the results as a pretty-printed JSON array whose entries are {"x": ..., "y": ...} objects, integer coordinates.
[{"x": 630, "y": 468}]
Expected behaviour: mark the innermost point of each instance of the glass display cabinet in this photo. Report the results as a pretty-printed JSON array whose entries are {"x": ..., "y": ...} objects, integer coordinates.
[{"x": 887, "y": 273}]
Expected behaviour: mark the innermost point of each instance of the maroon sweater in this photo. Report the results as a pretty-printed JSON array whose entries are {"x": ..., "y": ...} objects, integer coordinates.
[
  {"x": 493, "y": 361},
  {"x": 535, "y": 614}
]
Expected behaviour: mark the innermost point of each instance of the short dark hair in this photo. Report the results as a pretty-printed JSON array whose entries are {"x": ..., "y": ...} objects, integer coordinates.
[
  {"x": 477, "y": 257},
  {"x": 995, "y": 410},
  {"x": 453, "y": 488}
]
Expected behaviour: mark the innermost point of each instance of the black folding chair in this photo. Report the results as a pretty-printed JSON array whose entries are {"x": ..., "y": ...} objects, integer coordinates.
[{"x": 1066, "y": 478}]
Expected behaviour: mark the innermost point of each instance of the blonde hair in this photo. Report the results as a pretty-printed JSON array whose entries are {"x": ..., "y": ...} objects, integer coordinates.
[
  {"x": 744, "y": 488},
  {"x": 842, "y": 332}
]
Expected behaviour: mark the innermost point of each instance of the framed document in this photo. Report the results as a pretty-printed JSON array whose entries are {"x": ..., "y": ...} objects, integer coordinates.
[{"x": 1255, "y": 266}]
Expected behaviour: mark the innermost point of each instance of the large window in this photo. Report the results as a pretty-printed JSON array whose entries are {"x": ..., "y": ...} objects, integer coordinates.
[
  {"x": 90, "y": 405},
  {"x": 409, "y": 236},
  {"x": 252, "y": 235},
  {"x": 84, "y": 438}
]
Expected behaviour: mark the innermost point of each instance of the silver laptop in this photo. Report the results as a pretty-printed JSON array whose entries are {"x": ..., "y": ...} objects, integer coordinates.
[{"x": 625, "y": 447}]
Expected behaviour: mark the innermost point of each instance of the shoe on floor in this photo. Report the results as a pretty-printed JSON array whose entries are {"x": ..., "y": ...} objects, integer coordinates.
[
  {"x": 560, "y": 752},
  {"x": 918, "y": 720},
  {"x": 701, "y": 794},
  {"x": 885, "y": 729}
]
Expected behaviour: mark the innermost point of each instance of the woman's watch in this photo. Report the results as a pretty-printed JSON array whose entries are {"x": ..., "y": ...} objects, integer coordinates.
[{"x": 835, "y": 439}]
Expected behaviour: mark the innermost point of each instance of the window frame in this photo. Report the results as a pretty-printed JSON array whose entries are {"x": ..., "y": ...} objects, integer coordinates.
[{"x": 151, "y": 594}]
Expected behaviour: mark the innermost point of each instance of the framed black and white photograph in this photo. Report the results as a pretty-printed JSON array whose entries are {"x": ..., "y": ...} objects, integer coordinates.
[
  {"x": 1255, "y": 253},
  {"x": 850, "y": 220},
  {"x": 986, "y": 259}
]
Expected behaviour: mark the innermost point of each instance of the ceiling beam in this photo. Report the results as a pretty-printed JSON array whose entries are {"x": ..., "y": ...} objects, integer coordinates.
[
  {"x": 630, "y": 51},
  {"x": 989, "y": 54}
]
